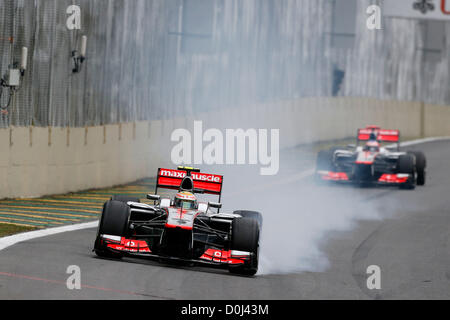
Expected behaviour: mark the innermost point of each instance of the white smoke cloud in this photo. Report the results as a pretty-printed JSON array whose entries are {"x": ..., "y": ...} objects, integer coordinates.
[{"x": 299, "y": 216}]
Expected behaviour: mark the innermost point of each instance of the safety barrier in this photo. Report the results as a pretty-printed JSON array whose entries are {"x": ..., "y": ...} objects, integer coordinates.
[{"x": 36, "y": 161}]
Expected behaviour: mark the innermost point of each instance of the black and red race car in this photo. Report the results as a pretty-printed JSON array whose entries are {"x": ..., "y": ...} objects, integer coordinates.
[
  {"x": 373, "y": 163},
  {"x": 181, "y": 229}
]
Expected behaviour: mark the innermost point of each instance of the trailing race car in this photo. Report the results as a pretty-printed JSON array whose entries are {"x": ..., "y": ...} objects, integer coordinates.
[
  {"x": 181, "y": 229},
  {"x": 373, "y": 163}
]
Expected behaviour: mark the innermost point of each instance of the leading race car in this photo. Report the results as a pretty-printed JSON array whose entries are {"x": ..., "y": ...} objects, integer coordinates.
[
  {"x": 373, "y": 163},
  {"x": 181, "y": 229}
]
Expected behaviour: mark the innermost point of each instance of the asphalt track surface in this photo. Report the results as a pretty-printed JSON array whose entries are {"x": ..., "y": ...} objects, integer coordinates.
[{"x": 409, "y": 240}]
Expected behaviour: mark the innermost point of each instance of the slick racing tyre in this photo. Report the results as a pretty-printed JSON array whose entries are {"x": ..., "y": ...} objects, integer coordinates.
[
  {"x": 124, "y": 199},
  {"x": 252, "y": 215},
  {"x": 245, "y": 237},
  {"x": 406, "y": 165},
  {"x": 324, "y": 160},
  {"x": 114, "y": 222},
  {"x": 421, "y": 164}
]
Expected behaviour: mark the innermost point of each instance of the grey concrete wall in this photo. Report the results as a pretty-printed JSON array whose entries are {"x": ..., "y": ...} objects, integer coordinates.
[
  {"x": 37, "y": 161},
  {"x": 40, "y": 161}
]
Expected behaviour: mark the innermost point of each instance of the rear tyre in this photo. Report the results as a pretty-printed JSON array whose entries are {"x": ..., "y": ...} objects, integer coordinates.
[
  {"x": 114, "y": 222},
  {"x": 245, "y": 237},
  {"x": 406, "y": 165},
  {"x": 421, "y": 163},
  {"x": 124, "y": 199}
]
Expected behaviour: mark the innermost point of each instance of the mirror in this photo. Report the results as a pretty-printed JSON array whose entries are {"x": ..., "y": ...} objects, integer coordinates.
[
  {"x": 153, "y": 197},
  {"x": 215, "y": 205}
]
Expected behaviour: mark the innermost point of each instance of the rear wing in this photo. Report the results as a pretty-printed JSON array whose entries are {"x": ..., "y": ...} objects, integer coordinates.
[
  {"x": 378, "y": 134},
  {"x": 203, "y": 182}
]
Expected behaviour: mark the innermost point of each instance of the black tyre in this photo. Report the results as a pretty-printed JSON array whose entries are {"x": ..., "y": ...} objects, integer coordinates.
[
  {"x": 421, "y": 164},
  {"x": 252, "y": 215},
  {"x": 114, "y": 221},
  {"x": 333, "y": 149},
  {"x": 124, "y": 199},
  {"x": 406, "y": 165},
  {"x": 245, "y": 237},
  {"x": 324, "y": 160}
]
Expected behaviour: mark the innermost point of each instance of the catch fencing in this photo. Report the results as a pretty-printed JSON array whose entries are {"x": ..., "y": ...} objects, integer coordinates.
[{"x": 159, "y": 59}]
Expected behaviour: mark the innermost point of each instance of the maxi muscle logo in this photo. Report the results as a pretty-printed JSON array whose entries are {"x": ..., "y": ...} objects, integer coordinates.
[
  {"x": 195, "y": 176},
  {"x": 238, "y": 143}
]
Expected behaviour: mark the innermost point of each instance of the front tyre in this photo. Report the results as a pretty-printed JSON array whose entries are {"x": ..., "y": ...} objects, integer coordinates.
[
  {"x": 324, "y": 160},
  {"x": 245, "y": 237},
  {"x": 113, "y": 222},
  {"x": 406, "y": 165},
  {"x": 421, "y": 163}
]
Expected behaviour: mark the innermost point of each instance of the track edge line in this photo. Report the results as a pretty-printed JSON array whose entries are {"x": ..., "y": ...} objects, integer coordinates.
[{"x": 9, "y": 241}]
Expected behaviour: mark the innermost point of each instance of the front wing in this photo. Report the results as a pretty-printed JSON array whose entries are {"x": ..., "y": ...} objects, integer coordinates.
[
  {"x": 140, "y": 248},
  {"x": 392, "y": 179}
]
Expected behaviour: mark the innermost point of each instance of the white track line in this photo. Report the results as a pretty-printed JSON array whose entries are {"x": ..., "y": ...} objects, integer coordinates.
[
  {"x": 419, "y": 141},
  {"x": 12, "y": 240}
]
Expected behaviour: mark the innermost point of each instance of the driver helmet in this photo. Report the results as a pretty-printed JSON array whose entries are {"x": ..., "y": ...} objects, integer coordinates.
[
  {"x": 185, "y": 200},
  {"x": 372, "y": 146}
]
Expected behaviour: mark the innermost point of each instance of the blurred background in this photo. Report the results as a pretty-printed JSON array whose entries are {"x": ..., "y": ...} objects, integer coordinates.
[{"x": 153, "y": 59}]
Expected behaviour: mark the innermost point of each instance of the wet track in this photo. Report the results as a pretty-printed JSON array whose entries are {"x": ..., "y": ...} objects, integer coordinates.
[{"x": 318, "y": 249}]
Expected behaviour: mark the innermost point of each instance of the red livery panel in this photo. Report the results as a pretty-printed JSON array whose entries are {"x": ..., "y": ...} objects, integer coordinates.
[
  {"x": 221, "y": 256},
  {"x": 380, "y": 134},
  {"x": 385, "y": 178},
  {"x": 393, "y": 178},
  {"x": 129, "y": 245},
  {"x": 335, "y": 176},
  {"x": 209, "y": 183}
]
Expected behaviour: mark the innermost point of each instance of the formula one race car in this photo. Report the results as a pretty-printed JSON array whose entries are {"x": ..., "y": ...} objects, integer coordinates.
[
  {"x": 181, "y": 229},
  {"x": 373, "y": 163}
]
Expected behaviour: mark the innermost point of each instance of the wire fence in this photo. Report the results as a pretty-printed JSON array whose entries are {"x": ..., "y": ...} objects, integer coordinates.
[{"x": 154, "y": 59}]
